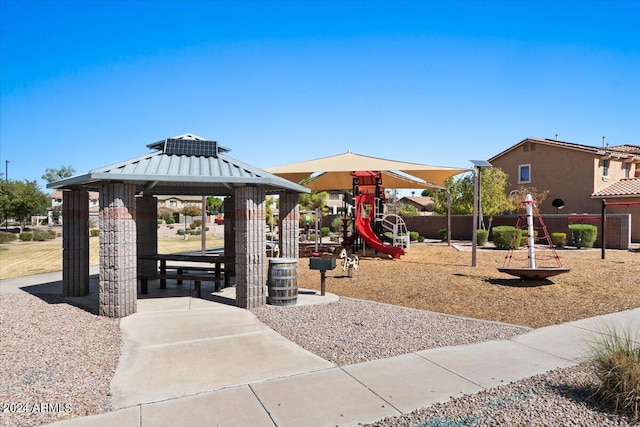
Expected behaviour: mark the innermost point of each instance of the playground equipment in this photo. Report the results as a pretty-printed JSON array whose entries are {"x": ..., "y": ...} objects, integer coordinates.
[
  {"x": 533, "y": 271},
  {"x": 370, "y": 222}
]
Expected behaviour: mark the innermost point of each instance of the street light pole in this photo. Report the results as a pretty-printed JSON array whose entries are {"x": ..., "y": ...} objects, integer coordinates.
[{"x": 477, "y": 164}]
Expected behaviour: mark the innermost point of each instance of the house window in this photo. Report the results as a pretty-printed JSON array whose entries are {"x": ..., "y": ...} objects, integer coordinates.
[
  {"x": 173, "y": 203},
  {"x": 524, "y": 173},
  {"x": 605, "y": 168},
  {"x": 529, "y": 146},
  {"x": 627, "y": 170}
]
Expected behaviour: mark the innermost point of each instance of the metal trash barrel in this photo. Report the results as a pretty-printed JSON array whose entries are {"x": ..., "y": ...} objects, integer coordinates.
[{"x": 282, "y": 281}]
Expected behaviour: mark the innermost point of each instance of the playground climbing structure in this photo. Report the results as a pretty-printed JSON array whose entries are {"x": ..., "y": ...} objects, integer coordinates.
[
  {"x": 541, "y": 260},
  {"x": 370, "y": 223}
]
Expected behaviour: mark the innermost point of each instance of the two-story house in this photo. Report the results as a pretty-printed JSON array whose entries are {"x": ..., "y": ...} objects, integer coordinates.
[{"x": 578, "y": 175}]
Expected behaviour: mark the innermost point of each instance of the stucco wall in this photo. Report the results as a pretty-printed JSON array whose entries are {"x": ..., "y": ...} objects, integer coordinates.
[{"x": 568, "y": 174}]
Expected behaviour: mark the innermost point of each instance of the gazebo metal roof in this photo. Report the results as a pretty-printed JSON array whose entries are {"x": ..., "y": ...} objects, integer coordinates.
[{"x": 185, "y": 164}]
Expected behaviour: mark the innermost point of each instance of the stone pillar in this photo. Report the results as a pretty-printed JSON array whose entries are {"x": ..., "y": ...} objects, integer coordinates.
[
  {"x": 147, "y": 232},
  {"x": 229, "y": 231},
  {"x": 289, "y": 221},
  {"x": 75, "y": 244},
  {"x": 118, "y": 281},
  {"x": 250, "y": 246}
]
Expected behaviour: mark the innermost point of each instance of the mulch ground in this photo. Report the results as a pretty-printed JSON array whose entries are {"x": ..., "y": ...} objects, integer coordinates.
[{"x": 440, "y": 278}]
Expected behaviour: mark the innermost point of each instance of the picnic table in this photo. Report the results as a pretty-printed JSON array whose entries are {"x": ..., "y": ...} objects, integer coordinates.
[{"x": 212, "y": 272}]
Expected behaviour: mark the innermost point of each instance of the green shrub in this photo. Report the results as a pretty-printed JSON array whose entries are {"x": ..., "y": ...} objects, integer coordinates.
[
  {"x": 196, "y": 223},
  {"x": 583, "y": 235},
  {"x": 325, "y": 231},
  {"x": 442, "y": 233},
  {"x": 26, "y": 236},
  {"x": 95, "y": 232},
  {"x": 168, "y": 218},
  {"x": 503, "y": 237},
  {"x": 616, "y": 358},
  {"x": 559, "y": 240},
  {"x": 7, "y": 237},
  {"x": 160, "y": 221},
  {"x": 482, "y": 237},
  {"x": 420, "y": 239},
  {"x": 413, "y": 235},
  {"x": 40, "y": 235},
  {"x": 181, "y": 231},
  {"x": 52, "y": 234}
]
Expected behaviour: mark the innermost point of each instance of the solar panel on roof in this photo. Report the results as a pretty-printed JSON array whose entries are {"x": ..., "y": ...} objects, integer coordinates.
[{"x": 186, "y": 147}]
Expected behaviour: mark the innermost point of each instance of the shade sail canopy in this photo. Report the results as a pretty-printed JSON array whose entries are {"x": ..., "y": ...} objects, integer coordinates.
[{"x": 334, "y": 172}]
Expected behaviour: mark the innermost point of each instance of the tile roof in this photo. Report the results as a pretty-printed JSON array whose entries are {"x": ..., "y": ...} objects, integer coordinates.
[{"x": 629, "y": 187}]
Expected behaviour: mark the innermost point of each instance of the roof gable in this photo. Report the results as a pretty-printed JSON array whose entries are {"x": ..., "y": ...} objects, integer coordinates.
[{"x": 621, "y": 151}]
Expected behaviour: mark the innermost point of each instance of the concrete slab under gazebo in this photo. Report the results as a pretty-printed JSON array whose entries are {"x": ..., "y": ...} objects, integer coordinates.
[{"x": 183, "y": 165}]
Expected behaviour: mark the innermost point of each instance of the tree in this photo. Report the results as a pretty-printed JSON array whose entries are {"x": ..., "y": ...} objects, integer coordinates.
[
  {"x": 516, "y": 197},
  {"x": 461, "y": 190},
  {"x": 271, "y": 220},
  {"x": 192, "y": 210},
  {"x": 214, "y": 205},
  {"x": 494, "y": 201},
  {"x": 492, "y": 198},
  {"x": 314, "y": 200},
  {"x": 409, "y": 210},
  {"x": 22, "y": 199},
  {"x": 53, "y": 175}
]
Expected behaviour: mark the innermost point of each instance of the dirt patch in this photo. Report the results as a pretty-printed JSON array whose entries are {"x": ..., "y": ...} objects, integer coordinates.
[{"x": 441, "y": 279}]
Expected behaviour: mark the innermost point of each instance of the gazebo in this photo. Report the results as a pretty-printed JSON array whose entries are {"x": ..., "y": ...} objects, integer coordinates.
[{"x": 182, "y": 165}]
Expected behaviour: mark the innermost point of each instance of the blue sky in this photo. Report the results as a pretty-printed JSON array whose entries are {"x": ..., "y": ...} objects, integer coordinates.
[{"x": 91, "y": 83}]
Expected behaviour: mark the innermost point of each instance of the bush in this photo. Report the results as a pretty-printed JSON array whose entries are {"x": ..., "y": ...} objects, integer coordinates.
[
  {"x": 442, "y": 233},
  {"x": 503, "y": 236},
  {"x": 52, "y": 234},
  {"x": 413, "y": 235},
  {"x": 482, "y": 237},
  {"x": 583, "y": 235},
  {"x": 196, "y": 223},
  {"x": 95, "y": 232},
  {"x": 41, "y": 235},
  {"x": 616, "y": 358},
  {"x": 7, "y": 237},
  {"x": 420, "y": 239},
  {"x": 181, "y": 231},
  {"x": 559, "y": 240},
  {"x": 325, "y": 231},
  {"x": 26, "y": 236}
]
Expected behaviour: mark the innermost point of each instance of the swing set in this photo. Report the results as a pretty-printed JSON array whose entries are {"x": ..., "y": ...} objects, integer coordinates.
[{"x": 603, "y": 221}]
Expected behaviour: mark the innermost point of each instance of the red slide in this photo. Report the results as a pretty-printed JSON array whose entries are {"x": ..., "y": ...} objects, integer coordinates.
[{"x": 364, "y": 230}]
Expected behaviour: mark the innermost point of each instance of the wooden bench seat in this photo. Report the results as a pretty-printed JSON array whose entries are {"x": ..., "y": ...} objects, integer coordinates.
[
  {"x": 197, "y": 278},
  {"x": 227, "y": 272}
]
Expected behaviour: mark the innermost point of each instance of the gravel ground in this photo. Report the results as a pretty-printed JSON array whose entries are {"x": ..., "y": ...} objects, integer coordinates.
[
  {"x": 557, "y": 398},
  {"x": 42, "y": 337},
  {"x": 56, "y": 360},
  {"x": 352, "y": 331}
]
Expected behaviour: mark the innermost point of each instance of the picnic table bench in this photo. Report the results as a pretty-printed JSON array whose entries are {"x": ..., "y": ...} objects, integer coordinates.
[{"x": 213, "y": 273}]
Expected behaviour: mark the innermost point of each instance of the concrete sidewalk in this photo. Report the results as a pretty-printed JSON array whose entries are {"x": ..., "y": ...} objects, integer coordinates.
[{"x": 189, "y": 361}]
